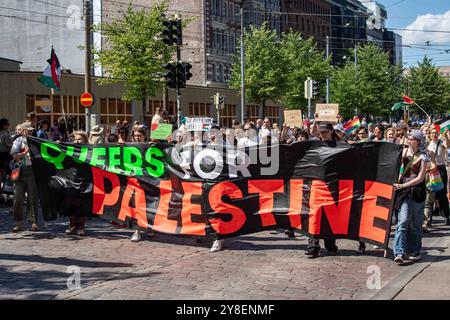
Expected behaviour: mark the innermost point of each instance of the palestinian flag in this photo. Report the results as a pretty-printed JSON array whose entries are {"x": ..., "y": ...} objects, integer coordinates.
[
  {"x": 442, "y": 124},
  {"x": 408, "y": 100},
  {"x": 352, "y": 125},
  {"x": 52, "y": 73},
  {"x": 399, "y": 105}
]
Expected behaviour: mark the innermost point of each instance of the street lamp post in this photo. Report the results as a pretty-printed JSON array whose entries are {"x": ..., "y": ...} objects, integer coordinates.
[{"x": 242, "y": 65}]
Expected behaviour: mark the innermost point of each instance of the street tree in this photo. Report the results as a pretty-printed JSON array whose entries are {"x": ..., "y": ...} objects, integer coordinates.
[
  {"x": 133, "y": 51},
  {"x": 303, "y": 61},
  {"x": 265, "y": 68},
  {"x": 428, "y": 88},
  {"x": 370, "y": 87}
]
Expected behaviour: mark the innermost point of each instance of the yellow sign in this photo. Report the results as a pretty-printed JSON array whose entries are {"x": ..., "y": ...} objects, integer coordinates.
[
  {"x": 327, "y": 112},
  {"x": 293, "y": 118}
]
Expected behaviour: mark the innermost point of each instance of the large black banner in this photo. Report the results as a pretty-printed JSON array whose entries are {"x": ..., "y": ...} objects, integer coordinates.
[{"x": 343, "y": 191}]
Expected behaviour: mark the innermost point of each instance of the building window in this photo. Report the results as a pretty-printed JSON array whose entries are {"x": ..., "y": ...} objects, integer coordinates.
[
  {"x": 221, "y": 73},
  {"x": 214, "y": 73},
  {"x": 227, "y": 115},
  {"x": 199, "y": 109},
  {"x": 272, "y": 113},
  {"x": 171, "y": 109}
]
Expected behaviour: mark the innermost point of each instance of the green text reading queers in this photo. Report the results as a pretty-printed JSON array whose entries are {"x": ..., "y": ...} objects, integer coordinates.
[{"x": 125, "y": 160}]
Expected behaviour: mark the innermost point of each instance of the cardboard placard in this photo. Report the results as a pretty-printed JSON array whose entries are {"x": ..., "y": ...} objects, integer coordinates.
[
  {"x": 293, "y": 118},
  {"x": 327, "y": 112},
  {"x": 198, "y": 124},
  {"x": 160, "y": 131}
]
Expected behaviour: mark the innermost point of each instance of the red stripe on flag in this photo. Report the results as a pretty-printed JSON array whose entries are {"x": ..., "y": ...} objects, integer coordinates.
[
  {"x": 54, "y": 71},
  {"x": 407, "y": 99}
]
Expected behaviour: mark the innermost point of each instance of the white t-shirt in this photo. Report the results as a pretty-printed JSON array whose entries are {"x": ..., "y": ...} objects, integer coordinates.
[
  {"x": 245, "y": 142},
  {"x": 440, "y": 155}
]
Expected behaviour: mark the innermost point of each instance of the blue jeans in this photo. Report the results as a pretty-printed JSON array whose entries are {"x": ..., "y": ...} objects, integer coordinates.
[{"x": 408, "y": 234}]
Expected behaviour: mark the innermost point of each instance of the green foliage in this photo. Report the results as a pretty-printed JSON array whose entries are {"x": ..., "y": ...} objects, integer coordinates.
[
  {"x": 428, "y": 88},
  {"x": 371, "y": 87},
  {"x": 133, "y": 51},
  {"x": 303, "y": 61},
  {"x": 265, "y": 70}
]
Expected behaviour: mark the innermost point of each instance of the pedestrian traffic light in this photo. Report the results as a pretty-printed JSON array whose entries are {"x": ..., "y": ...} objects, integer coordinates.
[
  {"x": 315, "y": 88},
  {"x": 170, "y": 74}
]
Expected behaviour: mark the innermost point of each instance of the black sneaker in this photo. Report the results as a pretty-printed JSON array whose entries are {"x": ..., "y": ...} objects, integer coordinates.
[
  {"x": 312, "y": 253},
  {"x": 331, "y": 252}
]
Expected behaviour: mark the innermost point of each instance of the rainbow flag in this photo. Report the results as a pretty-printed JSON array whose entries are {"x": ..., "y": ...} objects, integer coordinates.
[{"x": 352, "y": 125}]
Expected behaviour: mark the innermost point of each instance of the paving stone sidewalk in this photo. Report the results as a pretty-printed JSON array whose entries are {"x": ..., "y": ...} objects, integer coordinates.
[{"x": 265, "y": 265}]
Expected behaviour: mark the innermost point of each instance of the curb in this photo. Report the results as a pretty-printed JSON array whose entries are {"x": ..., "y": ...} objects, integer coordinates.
[{"x": 394, "y": 287}]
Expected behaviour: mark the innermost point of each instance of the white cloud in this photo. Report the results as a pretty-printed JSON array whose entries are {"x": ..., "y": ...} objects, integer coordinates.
[{"x": 428, "y": 22}]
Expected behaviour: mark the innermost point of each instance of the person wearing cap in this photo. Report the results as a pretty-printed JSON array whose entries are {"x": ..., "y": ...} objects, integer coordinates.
[
  {"x": 438, "y": 148},
  {"x": 26, "y": 182},
  {"x": 328, "y": 136},
  {"x": 410, "y": 199}
]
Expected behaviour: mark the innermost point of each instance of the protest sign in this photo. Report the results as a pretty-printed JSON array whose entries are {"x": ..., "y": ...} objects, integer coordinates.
[
  {"x": 198, "y": 124},
  {"x": 327, "y": 112},
  {"x": 293, "y": 118},
  {"x": 160, "y": 131}
]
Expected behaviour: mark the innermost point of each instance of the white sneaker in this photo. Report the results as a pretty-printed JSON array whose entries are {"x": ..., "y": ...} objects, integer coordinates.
[
  {"x": 217, "y": 246},
  {"x": 136, "y": 236},
  {"x": 415, "y": 257},
  {"x": 376, "y": 247}
]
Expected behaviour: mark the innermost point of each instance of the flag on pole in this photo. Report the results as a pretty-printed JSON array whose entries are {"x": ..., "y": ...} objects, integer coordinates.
[
  {"x": 52, "y": 73},
  {"x": 408, "y": 100},
  {"x": 399, "y": 105},
  {"x": 442, "y": 124},
  {"x": 352, "y": 125}
]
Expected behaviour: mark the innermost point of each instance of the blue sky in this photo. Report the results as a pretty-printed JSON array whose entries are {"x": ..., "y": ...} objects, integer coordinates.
[{"x": 421, "y": 15}]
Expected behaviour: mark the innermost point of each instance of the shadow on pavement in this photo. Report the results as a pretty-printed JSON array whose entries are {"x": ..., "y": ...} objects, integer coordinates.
[{"x": 64, "y": 261}]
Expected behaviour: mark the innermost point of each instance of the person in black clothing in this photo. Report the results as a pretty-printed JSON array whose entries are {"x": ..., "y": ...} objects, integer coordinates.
[{"x": 328, "y": 136}]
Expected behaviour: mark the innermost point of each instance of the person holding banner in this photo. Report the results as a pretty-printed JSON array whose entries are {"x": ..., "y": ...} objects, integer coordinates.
[
  {"x": 410, "y": 199},
  {"x": 328, "y": 136},
  {"x": 73, "y": 208}
]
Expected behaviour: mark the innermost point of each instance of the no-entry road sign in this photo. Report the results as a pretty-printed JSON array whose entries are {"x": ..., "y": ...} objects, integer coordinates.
[{"x": 87, "y": 99}]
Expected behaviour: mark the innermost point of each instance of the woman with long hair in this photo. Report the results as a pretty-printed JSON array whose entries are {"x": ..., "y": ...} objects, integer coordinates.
[{"x": 410, "y": 199}]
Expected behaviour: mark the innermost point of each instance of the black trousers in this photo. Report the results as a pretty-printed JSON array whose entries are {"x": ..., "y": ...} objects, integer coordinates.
[
  {"x": 313, "y": 243},
  {"x": 441, "y": 195}
]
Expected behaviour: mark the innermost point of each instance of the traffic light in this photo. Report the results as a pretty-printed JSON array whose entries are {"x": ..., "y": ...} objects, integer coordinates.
[
  {"x": 181, "y": 76},
  {"x": 170, "y": 74},
  {"x": 315, "y": 88},
  {"x": 177, "y": 33},
  {"x": 187, "y": 72},
  {"x": 173, "y": 32},
  {"x": 221, "y": 101},
  {"x": 168, "y": 32}
]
